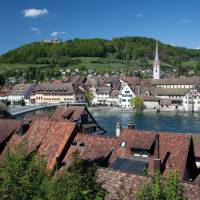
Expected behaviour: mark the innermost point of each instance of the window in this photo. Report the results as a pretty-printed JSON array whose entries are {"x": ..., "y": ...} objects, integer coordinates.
[
  {"x": 82, "y": 144},
  {"x": 127, "y": 92},
  {"x": 123, "y": 144}
]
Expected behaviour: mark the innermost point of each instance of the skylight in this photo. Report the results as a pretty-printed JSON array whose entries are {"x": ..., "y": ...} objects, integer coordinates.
[{"x": 123, "y": 144}]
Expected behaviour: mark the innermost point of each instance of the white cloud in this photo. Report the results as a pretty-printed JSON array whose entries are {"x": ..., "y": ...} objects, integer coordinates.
[
  {"x": 184, "y": 21},
  {"x": 36, "y": 30},
  {"x": 139, "y": 15},
  {"x": 34, "y": 12},
  {"x": 56, "y": 34},
  {"x": 198, "y": 48}
]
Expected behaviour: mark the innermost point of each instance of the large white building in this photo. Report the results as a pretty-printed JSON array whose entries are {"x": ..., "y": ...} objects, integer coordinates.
[
  {"x": 126, "y": 94},
  {"x": 101, "y": 95},
  {"x": 19, "y": 92},
  {"x": 191, "y": 101}
]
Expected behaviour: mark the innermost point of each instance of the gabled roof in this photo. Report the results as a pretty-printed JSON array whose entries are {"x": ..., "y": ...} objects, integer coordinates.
[
  {"x": 195, "y": 80},
  {"x": 68, "y": 113},
  {"x": 132, "y": 80},
  {"x": 172, "y": 91},
  {"x": 20, "y": 89},
  {"x": 149, "y": 98},
  {"x": 103, "y": 90},
  {"x": 91, "y": 147},
  {"x": 56, "y": 141},
  {"x": 173, "y": 148},
  {"x": 59, "y": 88},
  {"x": 7, "y": 128},
  {"x": 49, "y": 138}
]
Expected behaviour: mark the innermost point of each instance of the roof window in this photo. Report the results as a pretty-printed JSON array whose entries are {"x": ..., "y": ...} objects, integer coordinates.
[
  {"x": 123, "y": 144},
  {"x": 82, "y": 144}
]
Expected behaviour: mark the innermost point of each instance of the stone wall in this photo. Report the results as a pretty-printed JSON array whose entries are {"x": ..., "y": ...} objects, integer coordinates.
[{"x": 123, "y": 186}]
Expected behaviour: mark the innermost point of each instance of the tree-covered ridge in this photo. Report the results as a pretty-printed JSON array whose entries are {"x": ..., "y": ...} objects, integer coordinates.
[{"x": 125, "y": 48}]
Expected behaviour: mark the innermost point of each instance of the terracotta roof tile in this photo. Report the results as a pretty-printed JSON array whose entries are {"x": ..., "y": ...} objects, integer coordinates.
[
  {"x": 56, "y": 140},
  {"x": 95, "y": 147},
  {"x": 70, "y": 113},
  {"x": 176, "y": 145},
  {"x": 7, "y": 128}
]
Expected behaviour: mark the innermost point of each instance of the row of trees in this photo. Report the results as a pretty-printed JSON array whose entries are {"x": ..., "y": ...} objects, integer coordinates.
[
  {"x": 126, "y": 48},
  {"x": 25, "y": 178}
]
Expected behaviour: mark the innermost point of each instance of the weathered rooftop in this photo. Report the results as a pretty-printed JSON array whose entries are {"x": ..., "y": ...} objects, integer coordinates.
[{"x": 177, "y": 81}]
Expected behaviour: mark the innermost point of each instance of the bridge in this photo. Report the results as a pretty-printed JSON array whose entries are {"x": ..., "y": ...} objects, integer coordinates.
[{"x": 20, "y": 110}]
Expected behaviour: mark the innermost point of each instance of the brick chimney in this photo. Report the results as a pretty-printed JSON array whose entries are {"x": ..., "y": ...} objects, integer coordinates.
[
  {"x": 154, "y": 164},
  {"x": 157, "y": 160},
  {"x": 131, "y": 125}
]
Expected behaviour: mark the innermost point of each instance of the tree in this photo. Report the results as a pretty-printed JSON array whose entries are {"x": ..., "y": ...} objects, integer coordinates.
[
  {"x": 173, "y": 189},
  {"x": 2, "y": 79},
  {"x": 89, "y": 97},
  {"x": 22, "y": 177},
  {"x": 137, "y": 102},
  {"x": 198, "y": 68},
  {"x": 76, "y": 183},
  {"x": 21, "y": 102},
  {"x": 160, "y": 189},
  {"x": 7, "y": 102}
]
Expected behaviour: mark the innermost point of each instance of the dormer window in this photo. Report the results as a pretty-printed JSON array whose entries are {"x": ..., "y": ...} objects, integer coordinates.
[
  {"x": 82, "y": 144},
  {"x": 141, "y": 153},
  {"x": 123, "y": 144}
]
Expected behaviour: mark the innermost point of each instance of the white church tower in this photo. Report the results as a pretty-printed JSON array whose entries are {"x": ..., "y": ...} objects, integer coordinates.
[{"x": 156, "y": 65}]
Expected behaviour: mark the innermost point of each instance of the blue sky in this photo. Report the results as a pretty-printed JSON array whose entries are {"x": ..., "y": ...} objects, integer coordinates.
[{"x": 171, "y": 21}]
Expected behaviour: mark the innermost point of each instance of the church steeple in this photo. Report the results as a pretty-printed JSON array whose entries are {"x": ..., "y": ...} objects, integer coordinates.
[{"x": 156, "y": 66}]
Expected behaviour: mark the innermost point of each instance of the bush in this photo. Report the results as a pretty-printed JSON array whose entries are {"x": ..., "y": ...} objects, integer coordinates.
[{"x": 160, "y": 189}]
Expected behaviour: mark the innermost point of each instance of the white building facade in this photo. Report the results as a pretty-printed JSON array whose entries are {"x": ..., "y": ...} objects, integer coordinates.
[
  {"x": 126, "y": 94},
  {"x": 191, "y": 101}
]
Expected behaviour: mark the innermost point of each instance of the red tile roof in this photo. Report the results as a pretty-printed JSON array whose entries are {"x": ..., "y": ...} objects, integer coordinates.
[
  {"x": 70, "y": 113},
  {"x": 7, "y": 128},
  {"x": 176, "y": 145},
  {"x": 50, "y": 137},
  {"x": 56, "y": 141},
  {"x": 95, "y": 147}
]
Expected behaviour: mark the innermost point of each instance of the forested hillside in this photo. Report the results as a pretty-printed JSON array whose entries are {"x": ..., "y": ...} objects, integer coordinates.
[{"x": 126, "y": 48}]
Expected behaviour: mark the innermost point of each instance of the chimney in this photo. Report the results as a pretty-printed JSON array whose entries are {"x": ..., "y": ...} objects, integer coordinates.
[
  {"x": 118, "y": 129},
  {"x": 157, "y": 161},
  {"x": 20, "y": 131},
  {"x": 131, "y": 125}
]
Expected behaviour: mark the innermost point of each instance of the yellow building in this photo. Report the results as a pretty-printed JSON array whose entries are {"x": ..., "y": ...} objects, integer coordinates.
[{"x": 57, "y": 93}]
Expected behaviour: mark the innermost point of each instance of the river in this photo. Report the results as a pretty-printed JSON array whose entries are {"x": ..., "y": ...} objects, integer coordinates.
[{"x": 165, "y": 121}]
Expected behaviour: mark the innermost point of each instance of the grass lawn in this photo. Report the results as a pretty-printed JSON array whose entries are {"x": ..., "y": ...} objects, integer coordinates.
[{"x": 101, "y": 65}]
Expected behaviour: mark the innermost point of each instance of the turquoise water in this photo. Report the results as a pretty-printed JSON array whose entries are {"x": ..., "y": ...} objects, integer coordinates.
[{"x": 164, "y": 121}]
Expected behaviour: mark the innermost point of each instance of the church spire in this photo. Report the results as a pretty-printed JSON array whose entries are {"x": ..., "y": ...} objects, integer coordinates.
[
  {"x": 157, "y": 55},
  {"x": 156, "y": 66}
]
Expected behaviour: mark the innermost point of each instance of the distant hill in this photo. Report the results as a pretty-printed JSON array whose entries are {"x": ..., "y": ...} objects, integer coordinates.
[{"x": 124, "y": 48}]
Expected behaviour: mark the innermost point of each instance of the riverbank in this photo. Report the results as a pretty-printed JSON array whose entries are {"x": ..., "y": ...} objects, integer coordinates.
[
  {"x": 114, "y": 109},
  {"x": 119, "y": 109}
]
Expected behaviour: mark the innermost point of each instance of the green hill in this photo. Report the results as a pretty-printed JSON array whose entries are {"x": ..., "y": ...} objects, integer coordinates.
[{"x": 104, "y": 55}]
